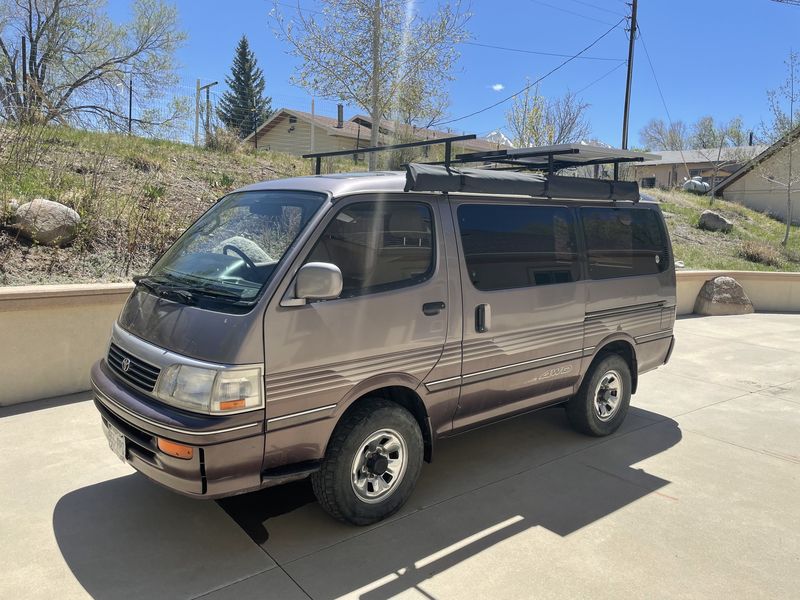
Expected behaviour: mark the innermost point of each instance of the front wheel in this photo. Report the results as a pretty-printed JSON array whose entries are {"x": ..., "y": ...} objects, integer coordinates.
[
  {"x": 601, "y": 404},
  {"x": 372, "y": 463}
]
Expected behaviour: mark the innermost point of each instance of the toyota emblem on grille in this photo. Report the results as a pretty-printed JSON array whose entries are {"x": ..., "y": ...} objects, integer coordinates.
[{"x": 126, "y": 364}]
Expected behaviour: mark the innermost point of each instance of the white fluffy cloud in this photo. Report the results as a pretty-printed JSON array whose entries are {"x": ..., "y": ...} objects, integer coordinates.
[{"x": 498, "y": 87}]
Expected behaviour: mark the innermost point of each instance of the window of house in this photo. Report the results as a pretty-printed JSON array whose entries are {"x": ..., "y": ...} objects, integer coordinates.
[
  {"x": 648, "y": 182},
  {"x": 621, "y": 242},
  {"x": 379, "y": 245},
  {"x": 508, "y": 246}
]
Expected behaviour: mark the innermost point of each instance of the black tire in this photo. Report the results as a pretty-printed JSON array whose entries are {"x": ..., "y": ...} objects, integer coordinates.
[
  {"x": 582, "y": 411},
  {"x": 333, "y": 485}
]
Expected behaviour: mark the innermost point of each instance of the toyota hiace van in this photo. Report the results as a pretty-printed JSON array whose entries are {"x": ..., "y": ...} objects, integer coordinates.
[{"x": 339, "y": 326}]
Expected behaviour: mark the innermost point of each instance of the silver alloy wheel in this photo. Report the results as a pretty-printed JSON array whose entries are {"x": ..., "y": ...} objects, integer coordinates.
[
  {"x": 379, "y": 465},
  {"x": 607, "y": 395}
]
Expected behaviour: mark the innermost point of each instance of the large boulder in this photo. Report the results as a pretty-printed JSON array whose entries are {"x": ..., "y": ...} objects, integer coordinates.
[
  {"x": 46, "y": 222},
  {"x": 722, "y": 296},
  {"x": 713, "y": 221}
]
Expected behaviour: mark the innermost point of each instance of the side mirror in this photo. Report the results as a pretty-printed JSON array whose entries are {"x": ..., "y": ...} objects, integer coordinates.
[{"x": 315, "y": 281}]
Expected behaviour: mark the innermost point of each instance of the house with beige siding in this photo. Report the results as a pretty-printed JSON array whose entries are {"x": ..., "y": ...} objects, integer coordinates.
[
  {"x": 762, "y": 183},
  {"x": 675, "y": 166},
  {"x": 299, "y": 132}
]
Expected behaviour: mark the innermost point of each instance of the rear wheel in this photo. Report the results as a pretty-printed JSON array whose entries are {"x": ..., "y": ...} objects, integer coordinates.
[
  {"x": 602, "y": 402},
  {"x": 372, "y": 463}
]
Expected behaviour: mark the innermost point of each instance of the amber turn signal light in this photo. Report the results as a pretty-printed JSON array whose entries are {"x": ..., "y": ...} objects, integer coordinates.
[
  {"x": 175, "y": 449},
  {"x": 232, "y": 404}
]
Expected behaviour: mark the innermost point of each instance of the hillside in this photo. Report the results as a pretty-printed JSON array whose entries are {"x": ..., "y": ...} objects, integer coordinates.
[
  {"x": 754, "y": 244},
  {"x": 135, "y": 196}
]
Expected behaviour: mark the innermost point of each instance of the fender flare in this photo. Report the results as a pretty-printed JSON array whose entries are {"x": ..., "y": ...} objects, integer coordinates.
[{"x": 601, "y": 345}]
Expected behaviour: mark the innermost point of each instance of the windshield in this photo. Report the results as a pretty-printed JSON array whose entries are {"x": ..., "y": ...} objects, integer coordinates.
[{"x": 230, "y": 253}]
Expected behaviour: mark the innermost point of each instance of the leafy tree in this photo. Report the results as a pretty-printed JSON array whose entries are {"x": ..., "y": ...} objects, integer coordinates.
[
  {"x": 78, "y": 60},
  {"x": 373, "y": 53},
  {"x": 708, "y": 133},
  {"x": 244, "y": 106},
  {"x": 657, "y": 135},
  {"x": 534, "y": 120}
]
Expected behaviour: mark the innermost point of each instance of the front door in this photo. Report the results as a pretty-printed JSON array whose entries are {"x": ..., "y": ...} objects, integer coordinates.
[
  {"x": 389, "y": 323},
  {"x": 523, "y": 305}
]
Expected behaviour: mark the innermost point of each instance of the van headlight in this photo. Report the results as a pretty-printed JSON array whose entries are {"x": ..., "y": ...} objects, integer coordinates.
[{"x": 211, "y": 391}]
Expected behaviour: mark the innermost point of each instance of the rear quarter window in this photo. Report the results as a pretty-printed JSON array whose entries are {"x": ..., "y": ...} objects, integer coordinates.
[{"x": 623, "y": 242}]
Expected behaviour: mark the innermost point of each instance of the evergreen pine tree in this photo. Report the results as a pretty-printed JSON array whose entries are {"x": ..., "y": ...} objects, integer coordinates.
[{"x": 244, "y": 106}]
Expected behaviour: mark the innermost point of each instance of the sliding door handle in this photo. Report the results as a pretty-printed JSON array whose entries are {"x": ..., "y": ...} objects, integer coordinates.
[
  {"x": 483, "y": 318},
  {"x": 432, "y": 308}
]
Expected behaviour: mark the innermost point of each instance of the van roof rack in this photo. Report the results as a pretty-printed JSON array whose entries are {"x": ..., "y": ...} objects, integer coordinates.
[
  {"x": 538, "y": 158},
  {"x": 447, "y": 141}
]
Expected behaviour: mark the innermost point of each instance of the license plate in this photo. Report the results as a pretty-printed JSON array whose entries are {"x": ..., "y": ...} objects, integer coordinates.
[{"x": 116, "y": 441}]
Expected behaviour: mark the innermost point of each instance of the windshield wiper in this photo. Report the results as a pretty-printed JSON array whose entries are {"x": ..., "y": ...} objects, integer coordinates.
[
  {"x": 163, "y": 290},
  {"x": 217, "y": 292}
]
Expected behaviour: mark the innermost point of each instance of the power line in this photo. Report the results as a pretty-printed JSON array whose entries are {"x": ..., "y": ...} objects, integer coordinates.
[
  {"x": 660, "y": 93},
  {"x": 594, "y": 6},
  {"x": 539, "y": 52},
  {"x": 530, "y": 85},
  {"x": 570, "y": 12},
  {"x": 599, "y": 79}
]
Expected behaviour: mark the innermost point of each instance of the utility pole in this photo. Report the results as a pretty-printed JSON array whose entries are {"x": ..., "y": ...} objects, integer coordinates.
[
  {"x": 197, "y": 114},
  {"x": 200, "y": 88},
  {"x": 255, "y": 124},
  {"x": 631, "y": 44},
  {"x": 130, "y": 104},
  {"x": 313, "y": 125}
]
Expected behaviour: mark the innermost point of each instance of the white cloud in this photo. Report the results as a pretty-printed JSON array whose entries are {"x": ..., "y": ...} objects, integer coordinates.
[{"x": 498, "y": 87}]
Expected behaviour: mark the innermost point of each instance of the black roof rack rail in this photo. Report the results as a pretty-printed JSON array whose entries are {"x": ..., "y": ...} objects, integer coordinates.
[{"x": 447, "y": 141}]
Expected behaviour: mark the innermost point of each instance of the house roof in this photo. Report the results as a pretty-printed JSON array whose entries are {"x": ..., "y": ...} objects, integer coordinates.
[
  {"x": 759, "y": 158},
  {"x": 350, "y": 129},
  {"x": 424, "y": 133},
  {"x": 704, "y": 155}
]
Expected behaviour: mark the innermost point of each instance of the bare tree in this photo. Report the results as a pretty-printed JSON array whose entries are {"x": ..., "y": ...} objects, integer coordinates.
[
  {"x": 782, "y": 121},
  {"x": 77, "y": 61},
  {"x": 657, "y": 135},
  {"x": 779, "y": 169},
  {"x": 534, "y": 120},
  {"x": 373, "y": 53}
]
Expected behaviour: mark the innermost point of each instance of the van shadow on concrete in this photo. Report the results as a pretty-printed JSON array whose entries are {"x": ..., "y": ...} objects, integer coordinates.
[{"x": 128, "y": 538}]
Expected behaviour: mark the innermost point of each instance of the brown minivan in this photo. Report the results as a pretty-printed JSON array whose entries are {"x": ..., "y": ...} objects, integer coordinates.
[{"x": 337, "y": 326}]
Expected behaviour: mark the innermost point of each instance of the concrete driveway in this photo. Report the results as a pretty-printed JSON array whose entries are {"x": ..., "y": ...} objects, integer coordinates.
[{"x": 698, "y": 495}]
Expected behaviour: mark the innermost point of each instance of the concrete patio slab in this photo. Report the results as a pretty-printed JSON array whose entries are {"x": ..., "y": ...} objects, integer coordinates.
[
  {"x": 696, "y": 496},
  {"x": 78, "y": 522}
]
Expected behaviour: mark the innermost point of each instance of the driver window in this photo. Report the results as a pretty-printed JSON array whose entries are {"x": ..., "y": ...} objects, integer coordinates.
[{"x": 378, "y": 246}]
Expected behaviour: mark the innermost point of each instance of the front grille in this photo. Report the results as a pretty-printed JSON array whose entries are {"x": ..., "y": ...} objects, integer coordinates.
[{"x": 139, "y": 373}]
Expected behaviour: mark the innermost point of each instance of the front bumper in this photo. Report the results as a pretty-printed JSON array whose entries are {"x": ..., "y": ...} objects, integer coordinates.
[{"x": 229, "y": 451}]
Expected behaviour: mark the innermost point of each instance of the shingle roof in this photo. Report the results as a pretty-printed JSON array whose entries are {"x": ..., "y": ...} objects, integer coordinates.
[
  {"x": 350, "y": 129},
  {"x": 787, "y": 139}
]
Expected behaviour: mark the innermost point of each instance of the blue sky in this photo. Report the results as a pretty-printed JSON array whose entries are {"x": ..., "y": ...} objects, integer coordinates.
[{"x": 713, "y": 57}]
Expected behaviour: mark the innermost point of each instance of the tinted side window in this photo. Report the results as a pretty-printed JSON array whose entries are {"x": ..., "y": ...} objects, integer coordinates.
[
  {"x": 378, "y": 245},
  {"x": 518, "y": 246},
  {"x": 623, "y": 241}
]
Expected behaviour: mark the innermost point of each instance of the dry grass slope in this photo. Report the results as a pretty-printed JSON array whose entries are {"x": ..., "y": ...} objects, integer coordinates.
[
  {"x": 135, "y": 196},
  {"x": 753, "y": 245}
]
